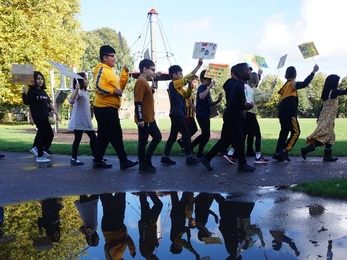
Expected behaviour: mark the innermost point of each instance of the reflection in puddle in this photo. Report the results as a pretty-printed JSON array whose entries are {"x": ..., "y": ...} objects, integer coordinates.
[{"x": 172, "y": 225}]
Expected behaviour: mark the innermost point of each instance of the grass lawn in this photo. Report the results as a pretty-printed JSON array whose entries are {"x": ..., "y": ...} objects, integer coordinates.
[
  {"x": 15, "y": 138},
  {"x": 336, "y": 188}
]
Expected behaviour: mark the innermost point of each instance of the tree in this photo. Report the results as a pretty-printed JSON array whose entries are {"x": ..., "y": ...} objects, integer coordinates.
[
  {"x": 314, "y": 92},
  {"x": 104, "y": 36},
  {"x": 270, "y": 109},
  {"x": 32, "y": 31},
  {"x": 342, "y": 109}
]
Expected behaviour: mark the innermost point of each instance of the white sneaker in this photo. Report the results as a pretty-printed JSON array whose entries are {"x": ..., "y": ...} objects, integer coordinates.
[
  {"x": 42, "y": 159},
  {"x": 33, "y": 150}
]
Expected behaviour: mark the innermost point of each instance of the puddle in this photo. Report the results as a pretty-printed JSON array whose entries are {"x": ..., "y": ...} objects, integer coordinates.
[{"x": 228, "y": 226}]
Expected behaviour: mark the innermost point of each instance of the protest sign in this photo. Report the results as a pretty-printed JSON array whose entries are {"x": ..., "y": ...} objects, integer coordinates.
[
  {"x": 255, "y": 60},
  {"x": 206, "y": 50},
  {"x": 282, "y": 61},
  {"x": 216, "y": 70},
  {"x": 65, "y": 70},
  {"x": 22, "y": 74},
  {"x": 212, "y": 240},
  {"x": 308, "y": 50}
]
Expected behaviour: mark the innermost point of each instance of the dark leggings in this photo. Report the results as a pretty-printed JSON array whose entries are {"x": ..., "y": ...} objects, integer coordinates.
[
  {"x": 44, "y": 135},
  {"x": 252, "y": 130},
  {"x": 78, "y": 138}
]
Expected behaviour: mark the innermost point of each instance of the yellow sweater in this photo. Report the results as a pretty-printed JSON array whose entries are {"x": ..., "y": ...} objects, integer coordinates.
[{"x": 106, "y": 82}]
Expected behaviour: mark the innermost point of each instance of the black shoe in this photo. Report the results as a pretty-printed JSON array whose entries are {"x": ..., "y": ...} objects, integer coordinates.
[
  {"x": 206, "y": 163},
  {"x": 245, "y": 168},
  {"x": 277, "y": 157},
  {"x": 191, "y": 160},
  {"x": 102, "y": 164},
  {"x": 127, "y": 164},
  {"x": 2, "y": 156},
  {"x": 284, "y": 155},
  {"x": 145, "y": 168},
  {"x": 74, "y": 161},
  {"x": 47, "y": 152},
  {"x": 167, "y": 160},
  {"x": 103, "y": 159}
]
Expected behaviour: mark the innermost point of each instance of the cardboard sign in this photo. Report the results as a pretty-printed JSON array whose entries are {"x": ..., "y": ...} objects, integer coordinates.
[
  {"x": 308, "y": 50},
  {"x": 255, "y": 60},
  {"x": 212, "y": 240},
  {"x": 206, "y": 50},
  {"x": 22, "y": 74},
  {"x": 282, "y": 61},
  {"x": 216, "y": 70},
  {"x": 65, "y": 70}
]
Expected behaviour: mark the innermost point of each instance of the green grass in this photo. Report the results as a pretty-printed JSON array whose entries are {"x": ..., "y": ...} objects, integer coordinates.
[
  {"x": 14, "y": 137},
  {"x": 335, "y": 188}
]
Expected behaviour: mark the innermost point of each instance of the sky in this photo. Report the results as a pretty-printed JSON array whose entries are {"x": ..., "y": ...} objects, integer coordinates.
[{"x": 268, "y": 28}]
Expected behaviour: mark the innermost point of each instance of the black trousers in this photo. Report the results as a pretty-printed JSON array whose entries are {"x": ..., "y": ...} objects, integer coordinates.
[
  {"x": 288, "y": 125},
  {"x": 202, "y": 139},
  {"x": 113, "y": 207},
  {"x": 109, "y": 131},
  {"x": 77, "y": 141},
  {"x": 252, "y": 130},
  {"x": 44, "y": 135},
  {"x": 232, "y": 133},
  {"x": 149, "y": 129},
  {"x": 178, "y": 124}
]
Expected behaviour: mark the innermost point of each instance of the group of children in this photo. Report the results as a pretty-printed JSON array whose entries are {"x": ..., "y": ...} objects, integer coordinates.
[{"x": 239, "y": 117}]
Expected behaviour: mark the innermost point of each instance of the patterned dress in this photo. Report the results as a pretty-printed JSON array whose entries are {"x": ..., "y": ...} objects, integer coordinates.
[
  {"x": 324, "y": 132},
  {"x": 80, "y": 116}
]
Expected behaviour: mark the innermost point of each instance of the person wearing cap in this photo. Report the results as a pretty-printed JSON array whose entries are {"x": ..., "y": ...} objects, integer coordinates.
[{"x": 288, "y": 112}]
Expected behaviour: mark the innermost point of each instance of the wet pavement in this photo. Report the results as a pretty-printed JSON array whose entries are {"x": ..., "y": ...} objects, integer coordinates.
[
  {"x": 22, "y": 179},
  {"x": 305, "y": 227},
  {"x": 228, "y": 226}
]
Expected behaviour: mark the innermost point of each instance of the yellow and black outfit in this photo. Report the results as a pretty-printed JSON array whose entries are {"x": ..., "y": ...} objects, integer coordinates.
[
  {"x": 287, "y": 114},
  {"x": 115, "y": 232},
  {"x": 106, "y": 107}
]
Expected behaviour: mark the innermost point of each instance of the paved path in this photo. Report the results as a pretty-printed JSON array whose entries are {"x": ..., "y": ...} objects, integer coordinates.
[{"x": 22, "y": 180}]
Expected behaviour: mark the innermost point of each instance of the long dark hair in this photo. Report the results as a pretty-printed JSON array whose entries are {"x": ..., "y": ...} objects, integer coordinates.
[
  {"x": 330, "y": 83},
  {"x": 80, "y": 81},
  {"x": 36, "y": 74}
]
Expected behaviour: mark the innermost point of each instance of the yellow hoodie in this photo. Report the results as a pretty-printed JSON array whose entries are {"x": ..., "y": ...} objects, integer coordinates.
[{"x": 106, "y": 82}]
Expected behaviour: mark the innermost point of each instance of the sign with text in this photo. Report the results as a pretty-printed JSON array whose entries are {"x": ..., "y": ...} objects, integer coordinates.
[
  {"x": 216, "y": 70},
  {"x": 206, "y": 50},
  {"x": 308, "y": 50},
  {"x": 22, "y": 74},
  {"x": 255, "y": 60}
]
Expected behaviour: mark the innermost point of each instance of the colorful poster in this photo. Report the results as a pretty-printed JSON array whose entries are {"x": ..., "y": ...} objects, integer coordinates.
[
  {"x": 206, "y": 50},
  {"x": 65, "y": 70},
  {"x": 22, "y": 74},
  {"x": 308, "y": 50},
  {"x": 255, "y": 60},
  {"x": 282, "y": 61},
  {"x": 216, "y": 70},
  {"x": 212, "y": 240}
]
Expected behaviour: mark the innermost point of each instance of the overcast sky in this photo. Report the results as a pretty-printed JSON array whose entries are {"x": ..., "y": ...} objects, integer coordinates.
[{"x": 268, "y": 28}]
